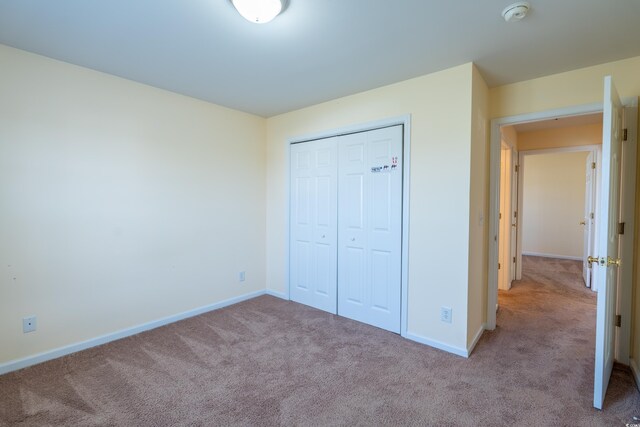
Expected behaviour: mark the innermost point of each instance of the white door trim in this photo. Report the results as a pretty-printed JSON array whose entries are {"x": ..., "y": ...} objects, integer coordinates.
[
  {"x": 628, "y": 194},
  {"x": 406, "y": 150},
  {"x": 575, "y": 148},
  {"x": 494, "y": 189}
]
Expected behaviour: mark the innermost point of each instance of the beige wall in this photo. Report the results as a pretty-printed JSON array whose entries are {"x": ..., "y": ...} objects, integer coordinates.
[
  {"x": 479, "y": 208},
  {"x": 121, "y": 203},
  {"x": 549, "y": 227},
  {"x": 441, "y": 111},
  {"x": 570, "y": 136},
  {"x": 553, "y": 204},
  {"x": 578, "y": 87},
  {"x": 126, "y": 199},
  {"x": 510, "y": 136}
]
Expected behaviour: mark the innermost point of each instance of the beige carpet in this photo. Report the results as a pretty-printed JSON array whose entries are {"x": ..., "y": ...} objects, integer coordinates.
[{"x": 271, "y": 362}]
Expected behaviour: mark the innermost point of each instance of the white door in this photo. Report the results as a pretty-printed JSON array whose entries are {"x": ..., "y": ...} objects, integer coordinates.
[
  {"x": 370, "y": 223},
  {"x": 505, "y": 223},
  {"x": 607, "y": 220},
  {"x": 313, "y": 233},
  {"x": 588, "y": 221},
  {"x": 514, "y": 214},
  {"x": 507, "y": 249}
]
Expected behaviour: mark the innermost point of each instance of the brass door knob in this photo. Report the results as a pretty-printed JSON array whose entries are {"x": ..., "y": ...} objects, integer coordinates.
[
  {"x": 612, "y": 261},
  {"x": 583, "y": 222},
  {"x": 591, "y": 259}
]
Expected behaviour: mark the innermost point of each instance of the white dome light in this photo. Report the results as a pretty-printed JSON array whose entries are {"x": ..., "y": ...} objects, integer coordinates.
[{"x": 258, "y": 11}]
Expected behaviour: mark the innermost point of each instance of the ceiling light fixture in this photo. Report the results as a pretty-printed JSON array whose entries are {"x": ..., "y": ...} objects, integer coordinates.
[
  {"x": 516, "y": 11},
  {"x": 259, "y": 11}
]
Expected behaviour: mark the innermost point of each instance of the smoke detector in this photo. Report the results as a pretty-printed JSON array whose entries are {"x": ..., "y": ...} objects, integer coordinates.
[{"x": 516, "y": 11}]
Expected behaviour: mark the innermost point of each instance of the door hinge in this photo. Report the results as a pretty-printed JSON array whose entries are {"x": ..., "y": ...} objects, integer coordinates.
[
  {"x": 593, "y": 165},
  {"x": 499, "y": 266},
  {"x": 514, "y": 259},
  {"x": 517, "y": 168},
  {"x": 621, "y": 228},
  {"x": 500, "y": 215},
  {"x": 591, "y": 215},
  {"x": 515, "y": 214},
  {"x": 624, "y": 134},
  {"x": 618, "y": 320}
]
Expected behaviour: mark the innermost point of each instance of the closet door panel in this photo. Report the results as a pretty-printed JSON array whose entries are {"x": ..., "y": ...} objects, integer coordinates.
[
  {"x": 313, "y": 232},
  {"x": 370, "y": 222}
]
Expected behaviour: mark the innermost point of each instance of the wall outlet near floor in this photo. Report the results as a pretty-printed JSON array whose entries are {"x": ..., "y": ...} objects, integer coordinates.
[
  {"x": 445, "y": 314},
  {"x": 241, "y": 276},
  {"x": 29, "y": 324}
]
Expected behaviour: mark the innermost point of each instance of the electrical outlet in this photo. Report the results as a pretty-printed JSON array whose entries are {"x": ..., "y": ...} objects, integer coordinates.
[
  {"x": 241, "y": 276},
  {"x": 29, "y": 324},
  {"x": 445, "y": 314}
]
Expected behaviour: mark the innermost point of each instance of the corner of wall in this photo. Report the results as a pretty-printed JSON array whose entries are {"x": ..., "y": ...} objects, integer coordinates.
[{"x": 478, "y": 209}]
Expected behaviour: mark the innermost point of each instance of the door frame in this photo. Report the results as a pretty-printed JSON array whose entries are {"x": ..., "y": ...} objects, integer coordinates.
[
  {"x": 405, "y": 121},
  {"x": 522, "y": 167},
  {"x": 628, "y": 195},
  {"x": 494, "y": 191},
  {"x": 507, "y": 271},
  {"x": 628, "y": 215}
]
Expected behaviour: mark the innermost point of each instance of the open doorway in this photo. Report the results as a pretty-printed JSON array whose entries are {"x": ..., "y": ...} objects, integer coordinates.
[
  {"x": 552, "y": 213},
  {"x": 618, "y": 159},
  {"x": 557, "y": 205}
]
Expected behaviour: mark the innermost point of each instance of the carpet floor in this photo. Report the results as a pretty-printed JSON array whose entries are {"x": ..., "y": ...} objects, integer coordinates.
[{"x": 271, "y": 362}]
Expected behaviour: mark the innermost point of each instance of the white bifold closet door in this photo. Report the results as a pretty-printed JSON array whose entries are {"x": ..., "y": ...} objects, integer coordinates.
[
  {"x": 313, "y": 217},
  {"x": 346, "y": 225},
  {"x": 370, "y": 227}
]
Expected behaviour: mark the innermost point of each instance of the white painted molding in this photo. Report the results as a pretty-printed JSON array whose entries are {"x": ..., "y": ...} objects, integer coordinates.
[
  {"x": 476, "y": 338},
  {"x": 353, "y": 128},
  {"x": 628, "y": 216},
  {"x": 494, "y": 189},
  {"x": 543, "y": 255},
  {"x": 572, "y": 149},
  {"x": 635, "y": 370},
  {"x": 277, "y": 294},
  {"x": 437, "y": 344},
  {"x": 14, "y": 365}
]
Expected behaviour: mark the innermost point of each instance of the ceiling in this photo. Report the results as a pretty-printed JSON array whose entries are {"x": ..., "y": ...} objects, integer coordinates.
[{"x": 317, "y": 50}]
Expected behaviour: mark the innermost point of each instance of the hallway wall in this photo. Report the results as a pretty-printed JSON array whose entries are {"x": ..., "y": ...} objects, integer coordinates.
[{"x": 553, "y": 204}]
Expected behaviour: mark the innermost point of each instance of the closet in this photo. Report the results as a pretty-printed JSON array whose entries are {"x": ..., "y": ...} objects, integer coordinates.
[{"x": 346, "y": 225}]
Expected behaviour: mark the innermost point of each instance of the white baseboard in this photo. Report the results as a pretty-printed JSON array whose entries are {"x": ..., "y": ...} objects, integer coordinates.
[
  {"x": 635, "y": 369},
  {"x": 437, "y": 344},
  {"x": 277, "y": 294},
  {"x": 574, "y": 258},
  {"x": 14, "y": 365},
  {"x": 476, "y": 338}
]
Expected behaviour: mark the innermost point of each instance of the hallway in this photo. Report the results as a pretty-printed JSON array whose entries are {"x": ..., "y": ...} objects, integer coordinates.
[{"x": 546, "y": 327}]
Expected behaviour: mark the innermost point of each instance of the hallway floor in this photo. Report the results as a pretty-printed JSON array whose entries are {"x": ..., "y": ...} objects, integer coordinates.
[{"x": 546, "y": 322}]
